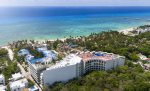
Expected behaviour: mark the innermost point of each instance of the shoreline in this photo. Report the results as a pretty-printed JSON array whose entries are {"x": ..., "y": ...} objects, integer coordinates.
[
  {"x": 39, "y": 41},
  {"x": 127, "y": 31}
]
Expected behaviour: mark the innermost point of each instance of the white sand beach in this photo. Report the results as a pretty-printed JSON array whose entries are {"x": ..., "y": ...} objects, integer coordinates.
[{"x": 127, "y": 31}]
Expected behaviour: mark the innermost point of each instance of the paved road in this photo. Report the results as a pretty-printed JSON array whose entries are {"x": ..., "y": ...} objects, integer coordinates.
[
  {"x": 27, "y": 75},
  {"x": 10, "y": 52},
  {"x": 24, "y": 73}
]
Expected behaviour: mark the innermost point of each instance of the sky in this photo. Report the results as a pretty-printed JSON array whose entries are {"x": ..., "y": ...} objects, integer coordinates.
[{"x": 74, "y": 2}]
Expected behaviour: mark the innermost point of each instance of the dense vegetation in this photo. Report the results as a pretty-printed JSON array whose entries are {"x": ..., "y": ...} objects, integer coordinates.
[
  {"x": 7, "y": 67},
  {"x": 116, "y": 42},
  {"x": 125, "y": 78},
  {"x": 3, "y": 52},
  {"x": 30, "y": 84},
  {"x": 144, "y": 27},
  {"x": 35, "y": 53},
  {"x": 24, "y": 44}
]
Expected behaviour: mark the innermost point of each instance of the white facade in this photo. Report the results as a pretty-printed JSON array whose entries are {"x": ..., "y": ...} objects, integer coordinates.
[
  {"x": 2, "y": 80},
  {"x": 23, "y": 52},
  {"x": 36, "y": 66},
  {"x": 19, "y": 85},
  {"x": 2, "y": 88},
  {"x": 36, "y": 69},
  {"x": 100, "y": 61},
  {"x": 119, "y": 61},
  {"x": 72, "y": 66},
  {"x": 17, "y": 76},
  {"x": 69, "y": 68},
  {"x": 142, "y": 57},
  {"x": 75, "y": 65}
]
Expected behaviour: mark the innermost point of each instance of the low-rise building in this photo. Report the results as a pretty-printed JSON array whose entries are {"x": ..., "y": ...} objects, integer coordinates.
[
  {"x": 19, "y": 85},
  {"x": 3, "y": 88},
  {"x": 23, "y": 52},
  {"x": 29, "y": 57},
  {"x": 2, "y": 79},
  {"x": 147, "y": 60},
  {"x": 34, "y": 88},
  {"x": 146, "y": 66},
  {"x": 142, "y": 57},
  {"x": 17, "y": 76}
]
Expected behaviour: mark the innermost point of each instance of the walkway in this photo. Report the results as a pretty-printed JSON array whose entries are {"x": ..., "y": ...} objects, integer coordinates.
[
  {"x": 24, "y": 73},
  {"x": 10, "y": 52}
]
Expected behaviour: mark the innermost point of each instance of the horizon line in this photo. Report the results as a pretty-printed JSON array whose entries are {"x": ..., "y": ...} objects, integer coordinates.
[{"x": 75, "y": 6}]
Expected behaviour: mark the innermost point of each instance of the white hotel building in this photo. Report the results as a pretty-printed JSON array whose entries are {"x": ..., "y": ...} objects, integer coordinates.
[
  {"x": 75, "y": 65},
  {"x": 38, "y": 65},
  {"x": 68, "y": 68},
  {"x": 100, "y": 61}
]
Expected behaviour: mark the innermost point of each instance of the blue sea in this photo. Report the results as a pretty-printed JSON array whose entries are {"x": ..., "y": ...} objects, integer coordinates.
[{"x": 43, "y": 23}]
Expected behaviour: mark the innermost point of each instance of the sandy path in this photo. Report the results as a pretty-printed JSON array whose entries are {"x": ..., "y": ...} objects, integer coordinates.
[{"x": 10, "y": 52}]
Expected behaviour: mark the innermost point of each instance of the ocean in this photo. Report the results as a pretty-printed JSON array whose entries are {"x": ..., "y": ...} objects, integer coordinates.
[{"x": 43, "y": 23}]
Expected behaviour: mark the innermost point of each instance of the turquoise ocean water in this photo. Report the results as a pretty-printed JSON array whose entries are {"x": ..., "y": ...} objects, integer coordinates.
[{"x": 43, "y": 23}]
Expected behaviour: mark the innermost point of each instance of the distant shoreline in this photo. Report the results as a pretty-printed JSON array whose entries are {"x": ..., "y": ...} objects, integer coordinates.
[
  {"x": 124, "y": 31},
  {"x": 39, "y": 41},
  {"x": 50, "y": 23}
]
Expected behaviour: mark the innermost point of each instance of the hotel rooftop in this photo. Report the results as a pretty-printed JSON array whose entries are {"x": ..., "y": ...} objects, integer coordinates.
[
  {"x": 22, "y": 83},
  {"x": 17, "y": 76},
  {"x": 48, "y": 55},
  {"x": 23, "y": 52},
  {"x": 86, "y": 56},
  {"x": 67, "y": 61}
]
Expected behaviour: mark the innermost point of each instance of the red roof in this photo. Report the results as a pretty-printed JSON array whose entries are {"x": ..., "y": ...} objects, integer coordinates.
[
  {"x": 88, "y": 56},
  {"x": 148, "y": 59}
]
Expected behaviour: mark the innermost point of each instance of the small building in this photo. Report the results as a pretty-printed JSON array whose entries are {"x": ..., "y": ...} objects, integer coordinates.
[
  {"x": 29, "y": 57},
  {"x": 16, "y": 76},
  {"x": 23, "y": 52},
  {"x": 142, "y": 57},
  {"x": 3, "y": 88},
  {"x": 2, "y": 79},
  {"x": 34, "y": 88},
  {"x": 147, "y": 60},
  {"x": 19, "y": 85},
  {"x": 146, "y": 66}
]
